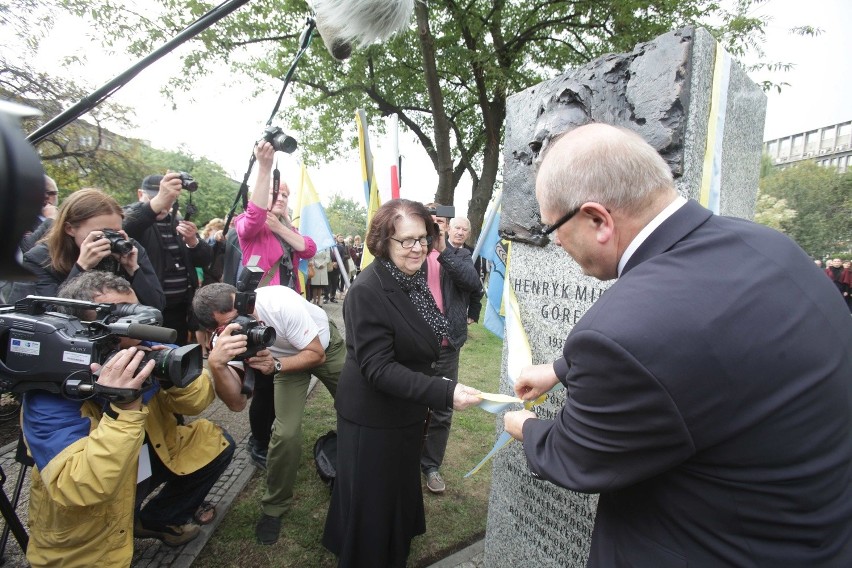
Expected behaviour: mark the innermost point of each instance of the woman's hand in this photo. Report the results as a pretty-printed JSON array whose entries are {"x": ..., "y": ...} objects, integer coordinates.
[
  {"x": 264, "y": 152},
  {"x": 129, "y": 261},
  {"x": 94, "y": 248},
  {"x": 465, "y": 397}
]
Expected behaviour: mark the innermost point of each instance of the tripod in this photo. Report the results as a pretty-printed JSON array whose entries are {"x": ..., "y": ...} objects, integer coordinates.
[{"x": 7, "y": 507}]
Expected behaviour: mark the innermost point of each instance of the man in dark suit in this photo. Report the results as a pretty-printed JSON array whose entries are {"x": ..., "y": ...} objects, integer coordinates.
[{"x": 709, "y": 402}]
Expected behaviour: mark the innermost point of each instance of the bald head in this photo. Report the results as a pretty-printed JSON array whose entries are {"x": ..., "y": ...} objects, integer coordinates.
[{"x": 609, "y": 165}]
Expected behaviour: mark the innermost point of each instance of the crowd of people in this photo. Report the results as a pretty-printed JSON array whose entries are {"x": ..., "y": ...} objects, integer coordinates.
[
  {"x": 112, "y": 453},
  {"x": 724, "y": 435}
]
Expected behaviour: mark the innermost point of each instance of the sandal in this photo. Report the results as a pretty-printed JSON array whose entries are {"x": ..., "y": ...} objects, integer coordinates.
[{"x": 205, "y": 514}]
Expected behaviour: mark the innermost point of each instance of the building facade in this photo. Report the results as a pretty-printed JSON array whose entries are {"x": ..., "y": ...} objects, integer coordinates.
[{"x": 830, "y": 146}]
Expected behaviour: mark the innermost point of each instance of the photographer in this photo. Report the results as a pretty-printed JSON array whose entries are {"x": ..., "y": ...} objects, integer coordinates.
[
  {"x": 86, "y": 236},
  {"x": 307, "y": 343},
  {"x": 91, "y": 454},
  {"x": 172, "y": 243}
]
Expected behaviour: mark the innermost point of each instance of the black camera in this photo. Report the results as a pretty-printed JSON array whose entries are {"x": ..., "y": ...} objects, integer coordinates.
[
  {"x": 280, "y": 140},
  {"x": 187, "y": 182},
  {"x": 447, "y": 211},
  {"x": 117, "y": 242},
  {"x": 260, "y": 336},
  {"x": 49, "y": 350}
]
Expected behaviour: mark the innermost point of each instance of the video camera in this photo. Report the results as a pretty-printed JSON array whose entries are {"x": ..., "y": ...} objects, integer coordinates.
[
  {"x": 52, "y": 351},
  {"x": 259, "y": 336}
]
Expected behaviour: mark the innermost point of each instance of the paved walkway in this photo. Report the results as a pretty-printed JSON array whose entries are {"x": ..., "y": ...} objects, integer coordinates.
[{"x": 150, "y": 553}]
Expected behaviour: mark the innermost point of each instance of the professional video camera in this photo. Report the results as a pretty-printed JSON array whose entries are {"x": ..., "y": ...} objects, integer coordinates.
[
  {"x": 21, "y": 187},
  {"x": 280, "y": 140},
  {"x": 260, "y": 336},
  {"x": 52, "y": 351}
]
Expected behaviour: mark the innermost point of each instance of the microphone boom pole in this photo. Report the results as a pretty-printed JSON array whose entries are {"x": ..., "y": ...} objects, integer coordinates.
[{"x": 89, "y": 102}]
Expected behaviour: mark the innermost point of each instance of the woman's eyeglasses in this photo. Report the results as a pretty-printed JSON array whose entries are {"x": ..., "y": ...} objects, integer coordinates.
[{"x": 409, "y": 243}]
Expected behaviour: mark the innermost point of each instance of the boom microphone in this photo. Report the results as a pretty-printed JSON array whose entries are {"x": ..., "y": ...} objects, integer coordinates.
[{"x": 362, "y": 22}]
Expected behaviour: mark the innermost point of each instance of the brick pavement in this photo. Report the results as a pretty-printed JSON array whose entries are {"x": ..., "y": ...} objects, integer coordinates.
[{"x": 150, "y": 553}]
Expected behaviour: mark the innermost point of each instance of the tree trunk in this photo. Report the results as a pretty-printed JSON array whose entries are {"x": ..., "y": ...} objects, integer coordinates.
[{"x": 442, "y": 156}]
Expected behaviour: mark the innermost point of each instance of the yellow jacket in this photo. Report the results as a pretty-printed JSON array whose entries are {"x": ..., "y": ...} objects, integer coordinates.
[{"x": 82, "y": 501}]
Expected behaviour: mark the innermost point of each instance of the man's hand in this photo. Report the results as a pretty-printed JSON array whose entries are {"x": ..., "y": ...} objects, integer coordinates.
[
  {"x": 263, "y": 361},
  {"x": 170, "y": 187},
  {"x": 227, "y": 346},
  {"x": 535, "y": 380},
  {"x": 465, "y": 397},
  {"x": 49, "y": 211},
  {"x": 513, "y": 423},
  {"x": 188, "y": 231},
  {"x": 118, "y": 372}
]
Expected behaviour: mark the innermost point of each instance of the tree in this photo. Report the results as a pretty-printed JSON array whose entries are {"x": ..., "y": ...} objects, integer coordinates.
[
  {"x": 346, "y": 217},
  {"x": 447, "y": 79},
  {"x": 772, "y": 212},
  {"x": 822, "y": 200}
]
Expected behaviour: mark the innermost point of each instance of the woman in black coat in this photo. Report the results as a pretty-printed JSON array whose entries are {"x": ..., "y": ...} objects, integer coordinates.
[
  {"x": 393, "y": 339},
  {"x": 87, "y": 235}
]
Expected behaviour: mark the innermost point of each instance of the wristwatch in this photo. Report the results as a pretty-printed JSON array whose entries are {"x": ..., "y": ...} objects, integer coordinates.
[{"x": 278, "y": 366}]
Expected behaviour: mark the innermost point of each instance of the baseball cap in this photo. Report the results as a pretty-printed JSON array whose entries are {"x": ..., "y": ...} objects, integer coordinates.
[{"x": 151, "y": 184}]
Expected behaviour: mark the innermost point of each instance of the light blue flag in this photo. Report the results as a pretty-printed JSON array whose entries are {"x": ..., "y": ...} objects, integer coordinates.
[{"x": 312, "y": 220}]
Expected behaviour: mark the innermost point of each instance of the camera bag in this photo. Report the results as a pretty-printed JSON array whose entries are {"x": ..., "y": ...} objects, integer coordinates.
[{"x": 325, "y": 456}]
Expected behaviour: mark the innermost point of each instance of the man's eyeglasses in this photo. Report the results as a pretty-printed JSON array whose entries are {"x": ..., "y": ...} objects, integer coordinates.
[
  {"x": 562, "y": 220},
  {"x": 409, "y": 243},
  {"x": 51, "y": 193}
]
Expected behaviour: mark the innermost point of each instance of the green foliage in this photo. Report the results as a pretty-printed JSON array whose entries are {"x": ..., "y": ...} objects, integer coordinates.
[
  {"x": 475, "y": 53},
  {"x": 772, "y": 212},
  {"x": 346, "y": 217},
  {"x": 822, "y": 200}
]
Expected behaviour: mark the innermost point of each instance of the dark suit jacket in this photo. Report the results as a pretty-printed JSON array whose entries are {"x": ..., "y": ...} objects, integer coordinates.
[
  {"x": 387, "y": 379},
  {"x": 710, "y": 403}
]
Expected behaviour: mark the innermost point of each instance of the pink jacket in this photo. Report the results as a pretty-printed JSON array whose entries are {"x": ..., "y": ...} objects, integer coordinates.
[{"x": 257, "y": 239}]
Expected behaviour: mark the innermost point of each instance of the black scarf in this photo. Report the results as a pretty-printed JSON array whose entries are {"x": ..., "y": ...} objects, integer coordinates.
[{"x": 418, "y": 292}]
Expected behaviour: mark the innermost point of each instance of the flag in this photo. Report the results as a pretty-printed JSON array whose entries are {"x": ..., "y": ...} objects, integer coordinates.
[
  {"x": 311, "y": 220},
  {"x": 395, "y": 162},
  {"x": 368, "y": 176},
  {"x": 491, "y": 247}
]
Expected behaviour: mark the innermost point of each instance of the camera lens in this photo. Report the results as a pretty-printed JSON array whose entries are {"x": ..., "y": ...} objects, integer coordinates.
[
  {"x": 284, "y": 143},
  {"x": 260, "y": 337}
]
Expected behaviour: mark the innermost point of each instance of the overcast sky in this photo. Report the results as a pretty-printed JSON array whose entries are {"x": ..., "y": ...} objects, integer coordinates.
[{"x": 219, "y": 121}]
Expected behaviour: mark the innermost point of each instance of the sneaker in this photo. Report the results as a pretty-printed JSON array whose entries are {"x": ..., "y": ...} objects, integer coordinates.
[
  {"x": 258, "y": 455},
  {"x": 267, "y": 530},
  {"x": 435, "y": 483},
  {"x": 171, "y": 535}
]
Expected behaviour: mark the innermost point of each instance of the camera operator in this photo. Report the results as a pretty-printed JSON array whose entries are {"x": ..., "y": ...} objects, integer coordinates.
[
  {"x": 86, "y": 236},
  {"x": 97, "y": 461},
  {"x": 173, "y": 244},
  {"x": 307, "y": 343}
]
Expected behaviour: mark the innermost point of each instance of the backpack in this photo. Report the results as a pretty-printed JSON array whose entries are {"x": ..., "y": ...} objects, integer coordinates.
[{"x": 325, "y": 456}]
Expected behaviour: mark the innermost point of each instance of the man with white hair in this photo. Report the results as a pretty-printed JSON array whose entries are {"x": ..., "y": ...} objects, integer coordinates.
[{"x": 708, "y": 390}]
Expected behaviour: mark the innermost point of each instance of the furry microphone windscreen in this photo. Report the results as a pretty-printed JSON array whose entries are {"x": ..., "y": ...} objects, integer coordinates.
[{"x": 342, "y": 23}]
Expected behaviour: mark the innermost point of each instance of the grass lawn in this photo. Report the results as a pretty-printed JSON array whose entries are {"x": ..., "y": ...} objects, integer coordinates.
[{"x": 453, "y": 520}]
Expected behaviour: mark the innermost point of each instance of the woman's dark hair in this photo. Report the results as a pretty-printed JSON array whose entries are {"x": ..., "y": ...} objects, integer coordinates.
[{"x": 382, "y": 226}]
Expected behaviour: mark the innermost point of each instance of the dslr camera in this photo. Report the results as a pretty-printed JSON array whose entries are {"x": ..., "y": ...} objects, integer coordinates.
[
  {"x": 41, "y": 349},
  {"x": 280, "y": 140},
  {"x": 117, "y": 242},
  {"x": 187, "y": 182},
  {"x": 259, "y": 336}
]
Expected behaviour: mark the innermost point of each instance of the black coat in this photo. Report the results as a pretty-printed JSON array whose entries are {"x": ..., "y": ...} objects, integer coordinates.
[
  {"x": 710, "y": 404},
  {"x": 387, "y": 380},
  {"x": 37, "y": 260}
]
